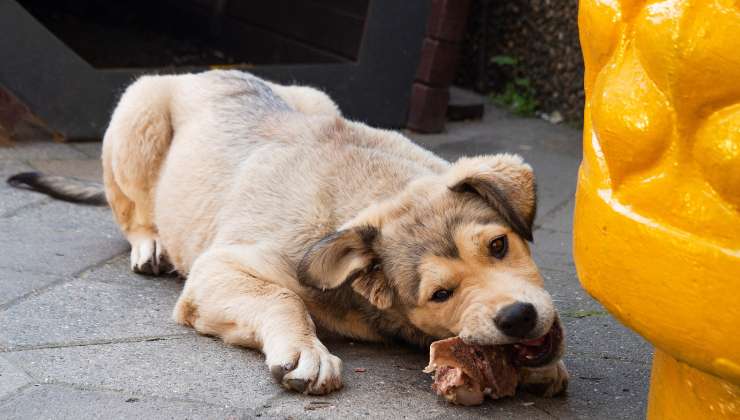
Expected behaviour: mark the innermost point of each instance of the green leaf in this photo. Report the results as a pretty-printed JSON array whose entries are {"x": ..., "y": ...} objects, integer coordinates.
[
  {"x": 504, "y": 60},
  {"x": 522, "y": 81}
]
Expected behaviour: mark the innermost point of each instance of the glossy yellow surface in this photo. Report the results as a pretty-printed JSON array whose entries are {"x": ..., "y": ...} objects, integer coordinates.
[
  {"x": 657, "y": 224},
  {"x": 679, "y": 391}
]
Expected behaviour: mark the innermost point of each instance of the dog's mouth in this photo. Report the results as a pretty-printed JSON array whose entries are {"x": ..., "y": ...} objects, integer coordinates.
[{"x": 539, "y": 351}]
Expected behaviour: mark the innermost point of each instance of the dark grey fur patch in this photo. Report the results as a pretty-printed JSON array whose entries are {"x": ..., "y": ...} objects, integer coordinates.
[
  {"x": 498, "y": 200},
  {"x": 253, "y": 89},
  {"x": 62, "y": 188}
]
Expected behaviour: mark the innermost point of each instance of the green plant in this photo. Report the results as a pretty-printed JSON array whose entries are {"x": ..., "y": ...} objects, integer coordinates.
[
  {"x": 504, "y": 60},
  {"x": 518, "y": 95}
]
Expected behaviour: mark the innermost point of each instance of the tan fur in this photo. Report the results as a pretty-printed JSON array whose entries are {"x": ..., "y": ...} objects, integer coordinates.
[{"x": 280, "y": 213}]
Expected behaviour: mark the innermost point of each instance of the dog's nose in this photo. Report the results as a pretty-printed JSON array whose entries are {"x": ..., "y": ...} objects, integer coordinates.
[{"x": 517, "y": 319}]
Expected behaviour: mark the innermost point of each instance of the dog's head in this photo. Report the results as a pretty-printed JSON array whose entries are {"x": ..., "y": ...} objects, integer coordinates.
[{"x": 450, "y": 255}]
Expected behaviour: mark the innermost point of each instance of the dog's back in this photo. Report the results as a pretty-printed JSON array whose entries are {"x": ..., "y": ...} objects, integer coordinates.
[{"x": 249, "y": 161}]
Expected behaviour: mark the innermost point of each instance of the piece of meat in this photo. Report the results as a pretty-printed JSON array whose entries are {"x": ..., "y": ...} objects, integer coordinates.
[{"x": 464, "y": 373}]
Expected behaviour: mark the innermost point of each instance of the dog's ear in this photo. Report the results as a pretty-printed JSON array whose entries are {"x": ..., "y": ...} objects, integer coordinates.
[
  {"x": 505, "y": 182},
  {"x": 375, "y": 287},
  {"x": 347, "y": 256}
]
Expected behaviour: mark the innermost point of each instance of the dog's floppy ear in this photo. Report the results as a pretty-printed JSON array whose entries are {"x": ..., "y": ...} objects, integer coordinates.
[
  {"x": 505, "y": 182},
  {"x": 347, "y": 256}
]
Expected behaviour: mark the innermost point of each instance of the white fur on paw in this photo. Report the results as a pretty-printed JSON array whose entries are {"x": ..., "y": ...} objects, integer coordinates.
[
  {"x": 146, "y": 255},
  {"x": 308, "y": 370}
]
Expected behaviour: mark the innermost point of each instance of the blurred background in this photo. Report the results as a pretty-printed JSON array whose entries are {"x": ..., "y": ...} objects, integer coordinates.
[{"x": 387, "y": 63}]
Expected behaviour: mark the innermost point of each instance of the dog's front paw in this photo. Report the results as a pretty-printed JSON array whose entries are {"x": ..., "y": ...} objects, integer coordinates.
[
  {"x": 546, "y": 382},
  {"x": 310, "y": 369},
  {"x": 147, "y": 256}
]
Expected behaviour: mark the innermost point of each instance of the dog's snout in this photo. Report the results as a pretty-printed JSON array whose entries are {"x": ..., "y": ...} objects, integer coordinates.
[{"x": 517, "y": 319}]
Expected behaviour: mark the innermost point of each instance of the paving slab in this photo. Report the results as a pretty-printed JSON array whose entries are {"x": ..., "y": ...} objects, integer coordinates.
[
  {"x": 204, "y": 369},
  {"x": 566, "y": 292},
  {"x": 604, "y": 337},
  {"x": 601, "y": 389},
  {"x": 503, "y": 129},
  {"x": 12, "y": 199},
  {"x": 17, "y": 284},
  {"x": 117, "y": 270},
  {"x": 84, "y": 310},
  {"x": 391, "y": 384},
  {"x": 26, "y": 150},
  {"x": 58, "y": 238},
  {"x": 90, "y": 169},
  {"x": 64, "y": 402},
  {"x": 11, "y": 379},
  {"x": 91, "y": 149},
  {"x": 560, "y": 218},
  {"x": 553, "y": 249},
  {"x": 191, "y": 367}
]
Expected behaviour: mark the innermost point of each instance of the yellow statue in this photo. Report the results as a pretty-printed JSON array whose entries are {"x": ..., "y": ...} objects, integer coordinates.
[{"x": 657, "y": 220}]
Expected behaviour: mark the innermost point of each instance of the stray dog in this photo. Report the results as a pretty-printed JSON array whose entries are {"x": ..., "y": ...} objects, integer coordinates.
[{"x": 282, "y": 214}]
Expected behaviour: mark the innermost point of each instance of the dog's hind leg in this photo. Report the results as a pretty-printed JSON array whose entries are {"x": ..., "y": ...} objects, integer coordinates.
[
  {"x": 134, "y": 147},
  {"x": 226, "y": 296}
]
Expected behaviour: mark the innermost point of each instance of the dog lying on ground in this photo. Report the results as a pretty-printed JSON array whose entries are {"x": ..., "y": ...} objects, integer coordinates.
[{"x": 282, "y": 214}]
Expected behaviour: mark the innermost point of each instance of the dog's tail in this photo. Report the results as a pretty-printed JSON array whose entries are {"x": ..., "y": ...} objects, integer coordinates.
[{"x": 70, "y": 189}]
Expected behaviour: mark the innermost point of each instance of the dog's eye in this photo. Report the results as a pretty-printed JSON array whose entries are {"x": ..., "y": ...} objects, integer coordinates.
[
  {"x": 498, "y": 247},
  {"x": 441, "y": 295}
]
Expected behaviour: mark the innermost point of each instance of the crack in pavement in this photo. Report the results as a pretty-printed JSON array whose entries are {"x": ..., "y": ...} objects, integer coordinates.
[{"x": 140, "y": 339}]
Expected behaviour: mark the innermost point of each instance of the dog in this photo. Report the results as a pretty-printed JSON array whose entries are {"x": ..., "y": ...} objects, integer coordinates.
[{"x": 283, "y": 215}]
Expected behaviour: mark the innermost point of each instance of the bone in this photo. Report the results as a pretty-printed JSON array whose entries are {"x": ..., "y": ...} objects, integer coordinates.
[{"x": 464, "y": 374}]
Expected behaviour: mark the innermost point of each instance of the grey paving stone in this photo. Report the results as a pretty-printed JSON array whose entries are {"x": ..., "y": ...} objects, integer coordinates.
[
  {"x": 63, "y": 402},
  {"x": 556, "y": 180},
  {"x": 90, "y": 169},
  {"x": 12, "y": 199},
  {"x": 553, "y": 250},
  {"x": 193, "y": 367},
  {"x": 566, "y": 291},
  {"x": 601, "y": 389},
  {"x": 502, "y": 128},
  {"x": 558, "y": 219},
  {"x": 85, "y": 310},
  {"x": 392, "y": 385},
  {"x": 11, "y": 379},
  {"x": 59, "y": 238},
  {"x": 204, "y": 369},
  {"x": 117, "y": 271},
  {"x": 26, "y": 150},
  {"x": 600, "y": 335},
  {"x": 89, "y": 148},
  {"x": 15, "y": 284}
]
